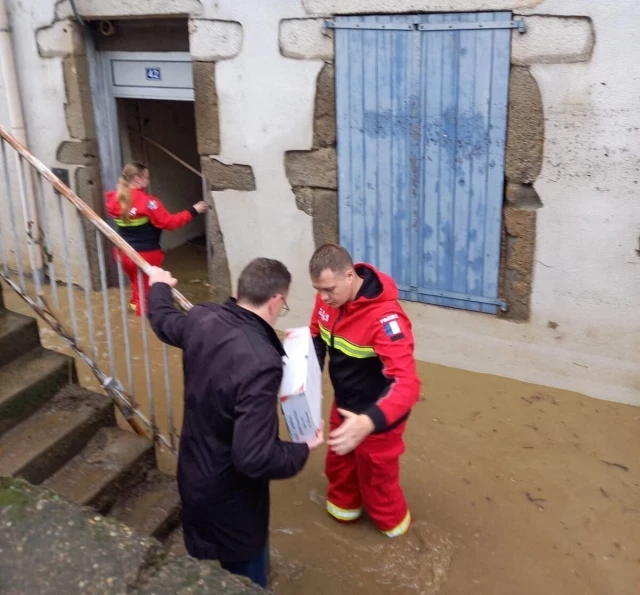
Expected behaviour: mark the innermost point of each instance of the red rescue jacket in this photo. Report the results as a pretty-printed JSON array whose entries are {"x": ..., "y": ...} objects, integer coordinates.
[
  {"x": 147, "y": 218},
  {"x": 370, "y": 345}
]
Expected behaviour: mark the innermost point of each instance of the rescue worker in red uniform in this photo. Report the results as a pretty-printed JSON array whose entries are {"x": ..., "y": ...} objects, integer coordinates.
[
  {"x": 140, "y": 219},
  {"x": 358, "y": 320}
]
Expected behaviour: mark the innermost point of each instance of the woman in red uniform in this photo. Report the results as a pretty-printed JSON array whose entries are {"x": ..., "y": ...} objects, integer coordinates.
[{"x": 141, "y": 218}]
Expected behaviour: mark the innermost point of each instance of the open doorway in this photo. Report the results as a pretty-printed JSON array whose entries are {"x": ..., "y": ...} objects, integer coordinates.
[{"x": 144, "y": 124}]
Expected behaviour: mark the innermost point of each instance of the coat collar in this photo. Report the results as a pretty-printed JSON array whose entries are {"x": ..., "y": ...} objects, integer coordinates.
[{"x": 261, "y": 326}]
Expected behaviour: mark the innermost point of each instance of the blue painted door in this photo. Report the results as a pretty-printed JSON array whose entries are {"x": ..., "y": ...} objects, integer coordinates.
[{"x": 421, "y": 118}]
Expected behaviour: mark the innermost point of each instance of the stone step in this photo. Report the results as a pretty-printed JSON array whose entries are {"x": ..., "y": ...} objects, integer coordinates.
[
  {"x": 29, "y": 381},
  {"x": 53, "y": 435},
  {"x": 111, "y": 464},
  {"x": 174, "y": 543},
  {"x": 18, "y": 335},
  {"x": 152, "y": 508}
]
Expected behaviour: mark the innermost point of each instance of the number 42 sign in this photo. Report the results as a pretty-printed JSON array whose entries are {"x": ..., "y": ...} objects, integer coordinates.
[{"x": 154, "y": 74}]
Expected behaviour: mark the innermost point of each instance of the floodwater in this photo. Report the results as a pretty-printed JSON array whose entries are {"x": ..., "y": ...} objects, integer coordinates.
[{"x": 515, "y": 489}]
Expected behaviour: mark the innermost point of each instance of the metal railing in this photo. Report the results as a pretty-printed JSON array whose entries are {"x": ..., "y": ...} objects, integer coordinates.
[{"x": 46, "y": 232}]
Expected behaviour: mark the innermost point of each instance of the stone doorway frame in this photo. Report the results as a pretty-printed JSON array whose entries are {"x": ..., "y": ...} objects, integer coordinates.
[{"x": 74, "y": 44}]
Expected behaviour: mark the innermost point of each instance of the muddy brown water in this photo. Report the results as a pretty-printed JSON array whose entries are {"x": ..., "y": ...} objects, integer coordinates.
[{"x": 515, "y": 489}]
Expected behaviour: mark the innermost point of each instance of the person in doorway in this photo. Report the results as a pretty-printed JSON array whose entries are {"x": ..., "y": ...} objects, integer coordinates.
[
  {"x": 357, "y": 318},
  {"x": 140, "y": 219},
  {"x": 229, "y": 446}
]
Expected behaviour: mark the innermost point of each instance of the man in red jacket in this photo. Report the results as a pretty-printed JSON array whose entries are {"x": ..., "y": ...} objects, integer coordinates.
[{"x": 357, "y": 318}]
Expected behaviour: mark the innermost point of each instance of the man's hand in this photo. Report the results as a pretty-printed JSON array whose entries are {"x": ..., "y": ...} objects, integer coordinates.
[
  {"x": 158, "y": 275},
  {"x": 351, "y": 432},
  {"x": 319, "y": 439}
]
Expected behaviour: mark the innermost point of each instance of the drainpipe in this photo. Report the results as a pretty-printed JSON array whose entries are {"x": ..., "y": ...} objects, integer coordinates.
[
  {"x": 7, "y": 65},
  {"x": 16, "y": 118}
]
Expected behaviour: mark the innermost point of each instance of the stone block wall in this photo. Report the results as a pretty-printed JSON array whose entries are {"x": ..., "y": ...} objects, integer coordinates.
[
  {"x": 64, "y": 40},
  {"x": 550, "y": 39},
  {"x": 313, "y": 175},
  {"x": 211, "y": 41}
]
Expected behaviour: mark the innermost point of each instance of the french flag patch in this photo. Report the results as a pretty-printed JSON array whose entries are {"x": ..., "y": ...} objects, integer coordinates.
[{"x": 392, "y": 330}]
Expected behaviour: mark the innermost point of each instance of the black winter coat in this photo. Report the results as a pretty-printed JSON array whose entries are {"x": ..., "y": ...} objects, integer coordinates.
[{"x": 229, "y": 446}]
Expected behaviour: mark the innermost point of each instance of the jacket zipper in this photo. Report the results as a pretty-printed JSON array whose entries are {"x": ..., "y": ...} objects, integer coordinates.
[{"x": 333, "y": 328}]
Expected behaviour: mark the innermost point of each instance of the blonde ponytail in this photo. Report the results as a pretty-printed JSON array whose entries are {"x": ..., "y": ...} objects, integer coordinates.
[{"x": 123, "y": 191}]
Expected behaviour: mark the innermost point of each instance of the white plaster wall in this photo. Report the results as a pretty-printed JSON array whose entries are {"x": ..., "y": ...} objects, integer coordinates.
[
  {"x": 43, "y": 97},
  {"x": 266, "y": 108}
]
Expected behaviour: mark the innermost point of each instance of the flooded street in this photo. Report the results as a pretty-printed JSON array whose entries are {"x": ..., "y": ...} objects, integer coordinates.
[{"x": 515, "y": 489}]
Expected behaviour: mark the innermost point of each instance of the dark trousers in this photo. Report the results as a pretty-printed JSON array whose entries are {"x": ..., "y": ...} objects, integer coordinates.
[{"x": 256, "y": 569}]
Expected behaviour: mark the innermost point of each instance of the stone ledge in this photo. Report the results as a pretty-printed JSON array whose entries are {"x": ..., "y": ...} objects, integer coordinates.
[
  {"x": 93, "y": 9},
  {"x": 228, "y": 177},
  {"x": 50, "y": 546},
  {"x": 553, "y": 40},
  {"x": 306, "y": 39},
  {"x": 78, "y": 152},
  {"x": 548, "y": 40},
  {"x": 331, "y": 7},
  {"x": 211, "y": 41},
  {"x": 317, "y": 169}
]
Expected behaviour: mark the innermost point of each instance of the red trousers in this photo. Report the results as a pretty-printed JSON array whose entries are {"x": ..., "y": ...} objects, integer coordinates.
[
  {"x": 369, "y": 477},
  {"x": 154, "y": 258}
]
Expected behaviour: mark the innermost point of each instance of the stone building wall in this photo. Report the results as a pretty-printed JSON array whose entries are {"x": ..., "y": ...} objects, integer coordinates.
[{"x": 266, "y": 136}]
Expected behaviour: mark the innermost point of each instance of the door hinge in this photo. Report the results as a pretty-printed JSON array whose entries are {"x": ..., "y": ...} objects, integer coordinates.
[{"x": 518, "y": 24}]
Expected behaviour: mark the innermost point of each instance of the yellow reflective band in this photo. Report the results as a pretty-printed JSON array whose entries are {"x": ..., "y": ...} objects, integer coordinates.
[
  {"x": 342, "y": 514},
  {"x": 347, "y": 347},
  {"x": 353, "y": 350},
  {"x": 401, "y": 529},
  {"x": 325, "y": 334},
  {"x": 132, "y": 222}
]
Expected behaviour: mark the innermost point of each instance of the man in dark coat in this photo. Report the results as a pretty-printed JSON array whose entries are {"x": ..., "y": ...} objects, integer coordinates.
[{"x": 229, "y": 446}]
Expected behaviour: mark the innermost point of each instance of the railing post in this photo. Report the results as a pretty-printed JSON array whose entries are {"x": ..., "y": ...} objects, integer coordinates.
[
  {"x": 52, "y": 212},
  {"x": 32, "y": 226}
]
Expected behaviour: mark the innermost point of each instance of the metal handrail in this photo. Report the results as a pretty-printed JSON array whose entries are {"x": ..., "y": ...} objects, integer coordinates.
[
  {"x": 124, "y": 400},
  {"x": 87, "y": 212}
]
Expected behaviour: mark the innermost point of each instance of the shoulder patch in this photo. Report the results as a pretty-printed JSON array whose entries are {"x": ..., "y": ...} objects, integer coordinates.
[
  {"x": 391, "y": 326},
  {"x": 153, "y": 205}
]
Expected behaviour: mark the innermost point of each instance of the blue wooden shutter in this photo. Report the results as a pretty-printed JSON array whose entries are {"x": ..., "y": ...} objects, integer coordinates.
[{"x": 422, "y": 117}]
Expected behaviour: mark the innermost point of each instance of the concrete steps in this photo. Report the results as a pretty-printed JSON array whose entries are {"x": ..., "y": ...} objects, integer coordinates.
[
  {"x": 60, "y": 435},
  {"x": 18, "y": 334},
  {"x": 43, "y": 443},
  {"x": 152, "y": 508},
  {"x": 29, "y": 381},
  {"x": 111, "y": 464}
]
